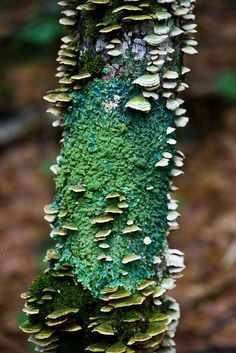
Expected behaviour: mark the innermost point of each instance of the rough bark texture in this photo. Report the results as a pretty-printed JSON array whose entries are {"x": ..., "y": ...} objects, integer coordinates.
[{"x": 120, "y": 72}]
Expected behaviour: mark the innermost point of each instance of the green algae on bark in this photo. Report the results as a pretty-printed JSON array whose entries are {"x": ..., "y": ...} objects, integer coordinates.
[{"x": 120, "y": 72}]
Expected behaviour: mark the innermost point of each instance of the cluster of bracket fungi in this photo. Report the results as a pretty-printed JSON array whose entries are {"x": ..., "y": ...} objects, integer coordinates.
[
  {"x": 172, "y": 22},
  {"x": 165, "y": 28},
  {"x": 150, "y": 308}
]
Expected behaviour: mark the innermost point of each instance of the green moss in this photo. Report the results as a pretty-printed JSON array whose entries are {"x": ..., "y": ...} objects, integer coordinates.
[
  {"x": 93, "y": 64},
  {"x": 126, "y": 330},
  {"x": 88, "y": 22},
  {"x": 67, "y": 294},
  {"x": 177, "y": 58},
  {"x": 88, "y": 26},
  {"x": 110, "y": 17},
  {"x": 39, "y": 283}
]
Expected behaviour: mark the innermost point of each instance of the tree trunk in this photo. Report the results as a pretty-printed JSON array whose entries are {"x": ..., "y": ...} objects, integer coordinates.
[{"x": 120, "y": 72}]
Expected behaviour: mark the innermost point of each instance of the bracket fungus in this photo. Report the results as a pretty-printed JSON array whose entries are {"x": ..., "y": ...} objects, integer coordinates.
[{"x": 120, "y": 74}]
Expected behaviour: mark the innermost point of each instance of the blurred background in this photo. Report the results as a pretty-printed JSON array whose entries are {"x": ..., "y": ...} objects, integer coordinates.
[{"x": 29, "y": 40}]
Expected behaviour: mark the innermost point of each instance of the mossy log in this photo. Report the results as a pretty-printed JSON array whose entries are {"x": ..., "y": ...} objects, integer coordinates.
[{"x": 121, "y": 70}]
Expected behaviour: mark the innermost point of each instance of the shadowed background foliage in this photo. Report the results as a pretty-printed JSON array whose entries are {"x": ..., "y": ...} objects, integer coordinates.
[{"x": 29, "y": 40}]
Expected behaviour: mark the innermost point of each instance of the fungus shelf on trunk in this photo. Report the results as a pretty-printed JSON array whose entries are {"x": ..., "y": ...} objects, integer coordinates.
[{"x": 120, "y": 70}]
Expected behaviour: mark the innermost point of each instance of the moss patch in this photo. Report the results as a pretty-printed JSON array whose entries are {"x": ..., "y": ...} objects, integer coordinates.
[
  {"x": 67, "y": 294},
  {"x": 92, "y": 63},
  {"x": 110, "y": 148}
]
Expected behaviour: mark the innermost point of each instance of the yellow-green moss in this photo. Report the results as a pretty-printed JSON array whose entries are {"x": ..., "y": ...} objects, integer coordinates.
[
  {"x": 67, "y": 293},
  {"x": 92, "y": 63}
]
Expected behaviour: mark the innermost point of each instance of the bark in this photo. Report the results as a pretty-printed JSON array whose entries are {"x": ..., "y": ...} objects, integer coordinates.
[{"x": 121, "y": 69}]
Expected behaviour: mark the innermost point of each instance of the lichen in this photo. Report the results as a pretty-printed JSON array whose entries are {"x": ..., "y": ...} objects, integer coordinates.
[
  {"x": 133, "y": 68},
  {"x": 112, "y": 151}
]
